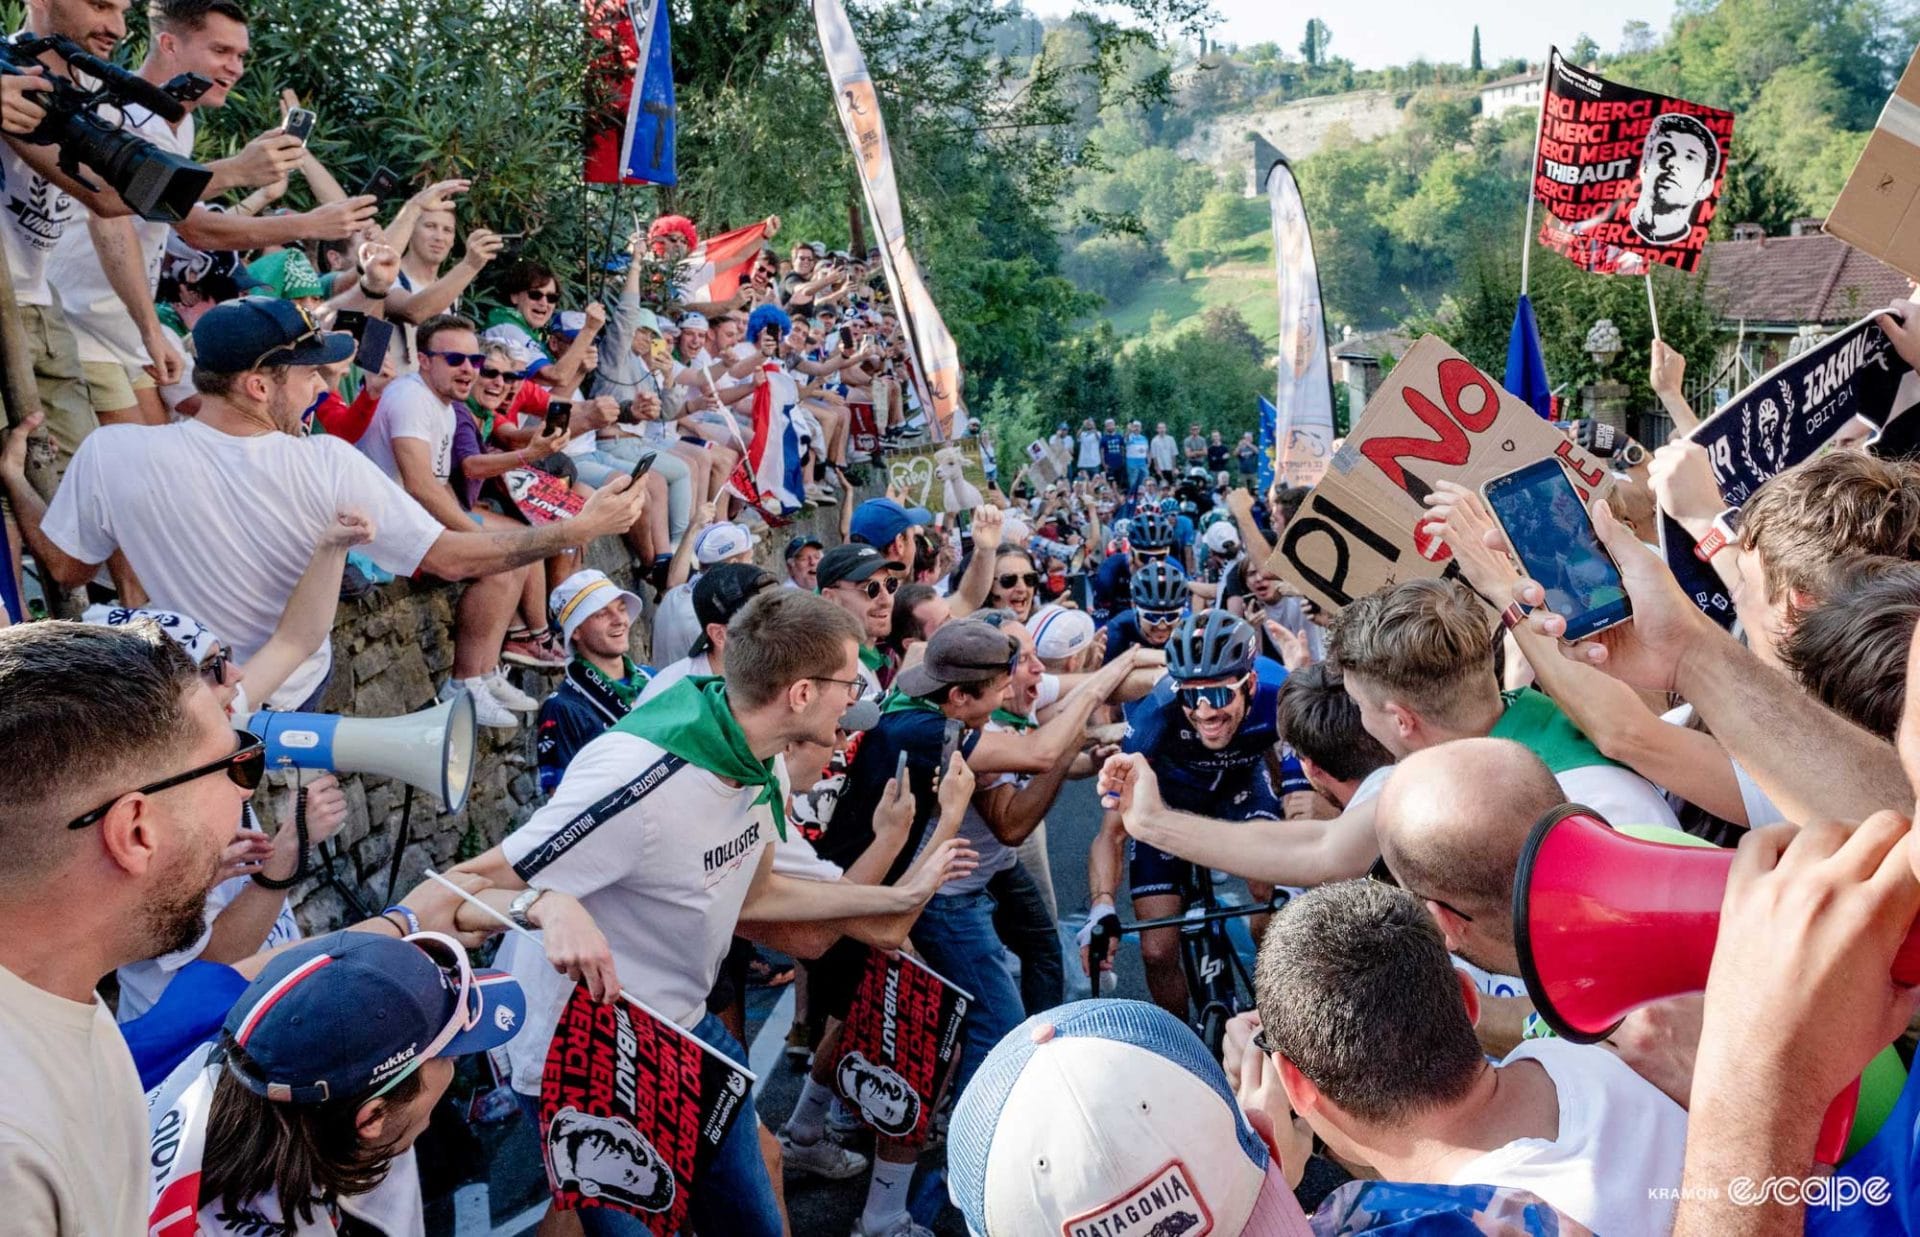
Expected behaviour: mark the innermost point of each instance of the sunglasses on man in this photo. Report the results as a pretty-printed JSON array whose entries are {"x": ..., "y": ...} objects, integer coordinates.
[
  {"x": 1158, "y": 618},
  {"x": 872, "y": 588},
  {"x": 457, "y": 360},
  {"x": 1030, "y": 578},
  {"x": 245, "y": 766},
  {"x": 1215, "y": 696}
]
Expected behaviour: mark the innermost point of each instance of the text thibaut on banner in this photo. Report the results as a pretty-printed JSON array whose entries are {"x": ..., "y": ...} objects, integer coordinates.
[
  {"x": 1437, "y": 418},
  {"x": 936, "y": 360},
  {"x": 899, "y": 1045},
  {"x": 1629, "y": 178},
  {"x": 1783, "y": 419}
]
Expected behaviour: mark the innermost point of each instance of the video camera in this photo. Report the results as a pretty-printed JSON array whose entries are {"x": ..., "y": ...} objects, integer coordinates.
[{"x": 155, "y": 183}]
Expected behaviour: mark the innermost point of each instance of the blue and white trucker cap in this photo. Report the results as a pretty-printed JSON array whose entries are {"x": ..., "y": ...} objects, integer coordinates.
[{"x": 1107, "y": 1116}]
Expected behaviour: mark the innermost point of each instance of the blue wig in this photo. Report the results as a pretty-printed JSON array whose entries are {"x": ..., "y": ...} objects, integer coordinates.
[{"x": 764, "y": 317}]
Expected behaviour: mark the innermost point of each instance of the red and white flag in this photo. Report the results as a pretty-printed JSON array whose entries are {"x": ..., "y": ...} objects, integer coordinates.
[{"x": 718, "y": 263}]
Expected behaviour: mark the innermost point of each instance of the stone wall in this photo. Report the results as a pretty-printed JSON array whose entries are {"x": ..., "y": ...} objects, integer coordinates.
[
  {"x": 1296, "y": 129},
  {"x": 391, "y": 651}
]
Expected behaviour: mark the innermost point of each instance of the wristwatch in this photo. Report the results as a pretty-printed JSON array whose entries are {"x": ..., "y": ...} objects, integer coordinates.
[
  {"x": 1718, "y": 538},
  {"x": 522, "y": 904}
]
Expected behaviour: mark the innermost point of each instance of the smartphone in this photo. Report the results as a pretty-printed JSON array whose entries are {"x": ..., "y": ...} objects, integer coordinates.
[
  {"x": 511, "y": 243},
  {"x": 300, "y": 124},
  {"x": 559, "y": 416},
  {"x": 949, "y": 745},
  {"x": 1553, "y": 537},
  {"x": 641, "y": 469},
  {"x": 376, "y": 340},
  {"x": 900, "y": 774},
  {"x": 846, "y": 339},
  {"x": 352, "y": 321},
  {"x": 383, "y": 184}
]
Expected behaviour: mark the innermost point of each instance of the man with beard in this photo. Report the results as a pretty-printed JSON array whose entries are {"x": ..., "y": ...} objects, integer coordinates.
[
  {"x": 219, "y": 515},
  {"x": 861, "y": 581},
  {"x": 122, "y": 787},
  {"x": 1678, "y": 167}
]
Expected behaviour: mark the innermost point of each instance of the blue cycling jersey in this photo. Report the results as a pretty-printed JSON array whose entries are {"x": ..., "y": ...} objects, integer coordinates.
[{"x": 1229, "y": 783}]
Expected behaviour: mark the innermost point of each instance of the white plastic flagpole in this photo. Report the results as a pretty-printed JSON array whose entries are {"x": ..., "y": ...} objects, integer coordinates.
[
  {"x": 638, "y": 1004},
  {"x": 1653, "y": 310},
  {"x": 1526, "y": 238}
]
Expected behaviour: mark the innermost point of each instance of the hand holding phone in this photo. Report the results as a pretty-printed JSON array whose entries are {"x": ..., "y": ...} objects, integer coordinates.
[
  {"x": 559, "y": 416},
  {"x": 1553, "y": 537},
  {"x": 299, "y": 123},
  {"x": 641, "y": 469},
  {"x": 380, "y": 186}
]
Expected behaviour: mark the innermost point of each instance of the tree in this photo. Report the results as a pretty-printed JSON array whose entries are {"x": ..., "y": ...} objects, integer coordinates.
[
  {"x": 1313, "y": 49},
  {"x": 1473, "y": 61},
  {"x": 1584, "y": 51},
  {"x": 1636, "y": 38}
]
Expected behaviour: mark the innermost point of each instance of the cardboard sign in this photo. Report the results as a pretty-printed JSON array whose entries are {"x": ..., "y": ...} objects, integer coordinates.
[
  {"x": 899, "y": 1045},
  {"x": 949, "y": 478},
  {"x": 1879, "y": 207},
  {"x": 1629, "y": 178},
  {"x": 541, "y": 497},
  {"x": 1783, "y": 419},
  {"x": 1437, "y": 418},
  {"x": 632, "y": 1110}
]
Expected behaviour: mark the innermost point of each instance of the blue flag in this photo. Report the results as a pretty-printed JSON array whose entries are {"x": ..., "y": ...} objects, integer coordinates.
[
  {"x": 1526, "y": 367},
  {"x": 650, "y": 121},
  {"x": 1269, "y": 428},
  {"x": 9, "y": 595}
]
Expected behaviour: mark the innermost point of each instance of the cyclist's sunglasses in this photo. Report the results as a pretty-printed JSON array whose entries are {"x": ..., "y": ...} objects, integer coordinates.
[
  {"x": 1159, "y": 618},
  {"x": 1214, "y": 695},
  {"x": 1382, "y": 873}
]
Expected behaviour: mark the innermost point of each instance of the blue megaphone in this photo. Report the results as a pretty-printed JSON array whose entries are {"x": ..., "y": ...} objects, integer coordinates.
[{"x": 432, "y": 749}]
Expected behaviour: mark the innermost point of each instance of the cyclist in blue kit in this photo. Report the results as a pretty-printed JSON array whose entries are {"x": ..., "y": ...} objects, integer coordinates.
[
  {"x": 1149, "y": 537},
  {"x": 1159, "y": 599},
  {"x": 1210, "y": 731}
]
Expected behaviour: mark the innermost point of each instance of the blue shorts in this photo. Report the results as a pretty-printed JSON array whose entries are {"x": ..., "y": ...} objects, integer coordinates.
[{"x": 1151, "y": 870}]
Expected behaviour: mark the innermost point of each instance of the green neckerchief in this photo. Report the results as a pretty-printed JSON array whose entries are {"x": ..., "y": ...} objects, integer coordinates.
[
  {"x": 693, "y": 720},
  {"x": 483, "y": 420},
  {"x": 626, "y": 690},
  {"x": 1536, "y": 723},
  {"x": 872, "y": 658},
  {"x": 898, "y": 702},
  {"x": 1012, "y": 720},
  {"x": 170, "y": 318},
  {"x": 508, "y": 315}
]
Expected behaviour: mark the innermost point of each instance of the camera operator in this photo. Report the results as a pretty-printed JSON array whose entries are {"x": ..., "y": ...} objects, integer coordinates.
[
  {"x": 107, "y": 277},
  {"x": 121, "y": 789}
]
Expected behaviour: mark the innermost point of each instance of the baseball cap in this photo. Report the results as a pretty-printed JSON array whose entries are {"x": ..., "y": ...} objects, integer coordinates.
[
  {"x": 567, "y": 323},
  {"x": 723, "y": 592},
  {"x": 965, "y": 652},
  {"x": 305, "y": 1022},
  {"x": 1110, "y": 1110},
  {"x": 189, "y": 633},
  {"x": 853, "y": 562},
  {"x": 1059, "y": 632},
  {"x": 646, "y": 320},
  {"x": 248, "y": 333},
  {"x": 719, "y": 542},
  {"x": 801, "y": 542},
  {"x": 287, "y": 273},
  {"x": 693, "y": 322},
  {"x": 584, "y": 594},
  {"x": 1222, "y": 539},
  {"x": 878, "y": 521}
]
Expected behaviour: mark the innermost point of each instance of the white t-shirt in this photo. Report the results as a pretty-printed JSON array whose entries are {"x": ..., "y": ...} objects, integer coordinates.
[
  {"x": 675, "y": 626},
  {"x": 222, "y": 527},
  {"x": 668, "y": 675},
  {"x": 408, "y": 408},
  {"x": 995, "y": 856},
  {"x": 1621, "y": 796},
  {"x": 103, "y": 330},
  {"x": 664, "y": 879},
  {"x": 1615, "y": 1166},
  {"x": 73, "y": 1123},
  {"x": 32, "y": 218},
  {"x": 1089, "y": 449},
  {"x": 141, "y": 983},
  {"x": 1164, "y": 451}
]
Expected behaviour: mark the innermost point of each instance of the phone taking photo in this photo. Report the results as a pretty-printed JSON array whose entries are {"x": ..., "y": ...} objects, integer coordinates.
[
  {"x": 1553, "y": 537},
  {"x": 949, "y": 744},
  {"x": 641, "y": 469},
  {"x": 299, "y": 124},
  {"x": 376, "y": 340},
  {"x": 559, "y": 416},
  {"x": 383, "y": 184}
]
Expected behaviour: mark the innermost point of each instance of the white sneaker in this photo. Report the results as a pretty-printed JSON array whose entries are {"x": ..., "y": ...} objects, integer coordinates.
[
  {"x": 506, "y": 693},
  {"x": 825, "y": 1158},
  {"x": 903, "y": 1226},
  {"x": 486, "y": 710}
]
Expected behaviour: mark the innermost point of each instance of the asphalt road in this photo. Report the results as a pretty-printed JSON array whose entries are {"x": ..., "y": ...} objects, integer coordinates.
[{"x": 826, "y": 1208}]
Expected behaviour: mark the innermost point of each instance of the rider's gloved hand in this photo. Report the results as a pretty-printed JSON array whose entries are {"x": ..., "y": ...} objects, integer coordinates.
[{"x": 1103, "y": 986}]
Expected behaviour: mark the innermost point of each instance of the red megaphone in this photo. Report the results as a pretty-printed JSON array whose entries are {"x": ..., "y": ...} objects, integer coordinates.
[{"x": 1605, "y": 924}]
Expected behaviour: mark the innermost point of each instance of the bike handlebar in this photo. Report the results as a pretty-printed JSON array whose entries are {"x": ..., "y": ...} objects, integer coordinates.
[{"x": 1107, "y": 933}]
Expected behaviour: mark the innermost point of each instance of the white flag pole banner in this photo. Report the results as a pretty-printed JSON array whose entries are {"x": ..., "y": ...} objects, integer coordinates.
[
  {"x": 936, "y": 362},
  {"x": 1303, "y": 391}
]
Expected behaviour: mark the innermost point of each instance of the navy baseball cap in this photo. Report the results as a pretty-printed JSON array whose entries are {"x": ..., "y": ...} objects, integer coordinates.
[
  {"x": 259, "y": 331},
  {"x": 878, "y": 521},
  {"x": 802, "y": 541},
  {"x": 349, "y": 1014},
  {"x": 852, "y": 562}
]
